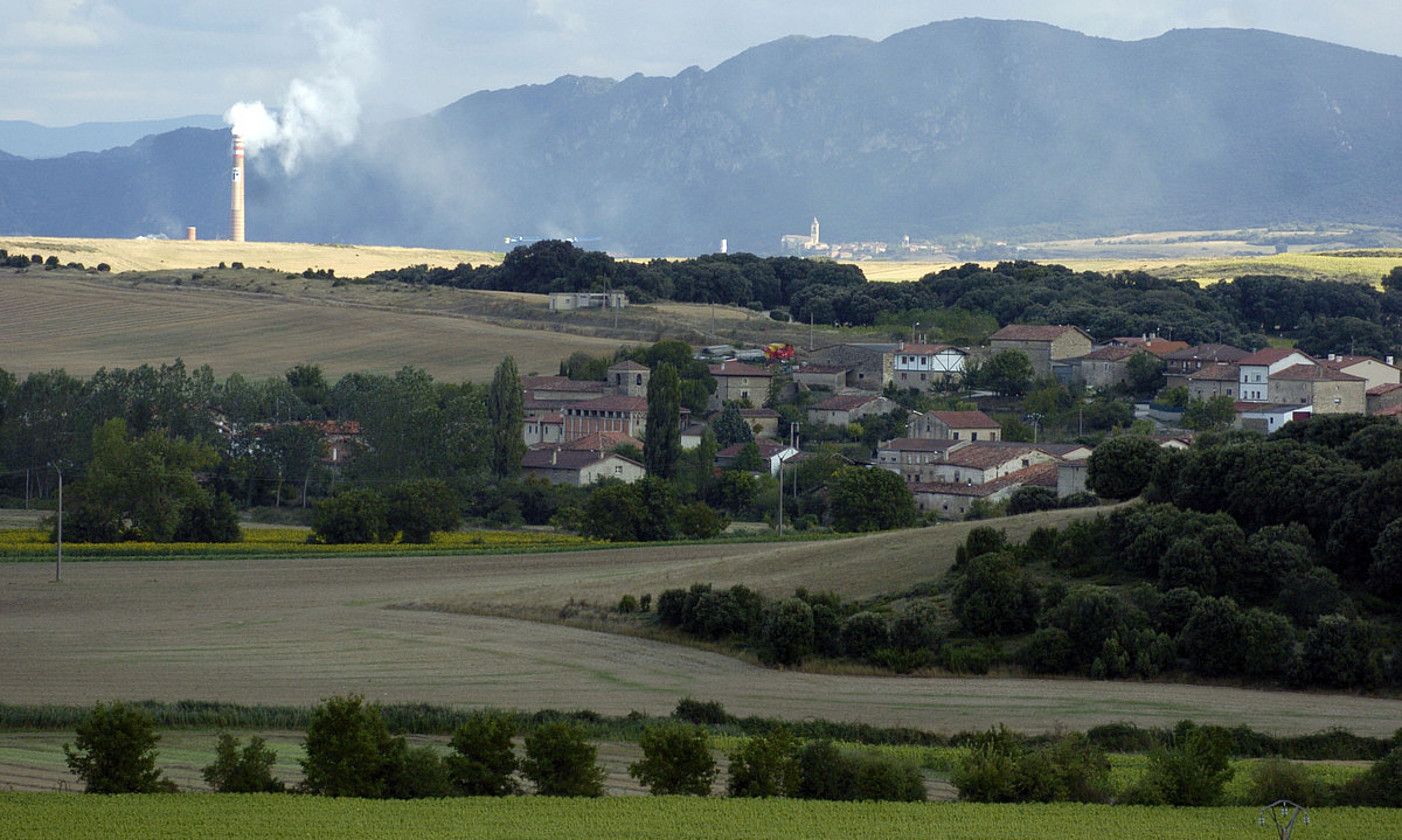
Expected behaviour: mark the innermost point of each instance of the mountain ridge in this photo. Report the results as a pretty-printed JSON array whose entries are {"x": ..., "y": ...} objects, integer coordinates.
[{"x": 965, "y": 126}]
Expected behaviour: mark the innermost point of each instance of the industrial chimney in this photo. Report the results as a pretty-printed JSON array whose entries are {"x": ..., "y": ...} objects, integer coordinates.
[{"x": 236, "y": 198}]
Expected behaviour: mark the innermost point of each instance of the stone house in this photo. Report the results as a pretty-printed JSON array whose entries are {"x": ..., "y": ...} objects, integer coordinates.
[
  {"x": 1383, "y": 397},
  {"x": 1104, "y": 367},
  {"x": 954, "y": 425},
  {"x": 579, "y": 467},
  {"x": 1217, "y": 380},
  {"x": 870, "y": 367},
  {"x": 773, "y": 454},
  {"x": 1373, "y": 371},
  {"x": 629, "y": 379},
  {"x": 1194, "y": 358},
  {"x": 830, "y": 377},
  {"x": 1324, "y": 389},
  {"x": 953, "y": 500},
  {"x": 1043, "y": 344},
  {"x": 847, "y": 408},
  {"x": 907, "y": 457},
  {"x": 980, "y": 463},
  {"x": 740, "y": 382}
]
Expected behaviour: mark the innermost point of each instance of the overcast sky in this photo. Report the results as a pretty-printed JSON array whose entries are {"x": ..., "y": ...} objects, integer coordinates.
[{"x": 68, "y": 61}]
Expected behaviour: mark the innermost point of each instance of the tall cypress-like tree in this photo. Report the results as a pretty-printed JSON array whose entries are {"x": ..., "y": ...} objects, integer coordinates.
[
  {"x": 663, "y": 445},
  {"x": 507, "y": 413}
]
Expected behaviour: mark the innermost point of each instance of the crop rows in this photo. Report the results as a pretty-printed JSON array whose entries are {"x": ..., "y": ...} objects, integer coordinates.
[{"x": 73, "y": 817}]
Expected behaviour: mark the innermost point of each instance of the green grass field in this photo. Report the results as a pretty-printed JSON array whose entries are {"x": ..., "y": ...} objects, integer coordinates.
[{"x": 71, "y": 817}]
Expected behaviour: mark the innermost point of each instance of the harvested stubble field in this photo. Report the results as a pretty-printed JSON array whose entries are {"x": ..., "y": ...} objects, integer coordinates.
[
  {"x": 41, "y": 816},
  {"x": 83, "y": 322},
  {"x": 295, "y": 631}
]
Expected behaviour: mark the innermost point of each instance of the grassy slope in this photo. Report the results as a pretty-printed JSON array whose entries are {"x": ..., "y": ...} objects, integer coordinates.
[{"x": 31, "y": 817}]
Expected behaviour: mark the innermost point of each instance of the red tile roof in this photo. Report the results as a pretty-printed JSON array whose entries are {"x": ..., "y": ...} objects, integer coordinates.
[
  {"x": 1216, "y": 373},
  {"x": 1341, "y": 361},
  {"x": 1033, "y": 332},
  {"x": 767, "y": 449},
  {"x": 602, "y": 441},
  {"x": 845, "y": 402},
  {"x": 738, "y": 369},
  {"x": 1385, "y": 388},
  {"x": 1161, "y": 347},
  {"x": 821, "y": 369},
  {"x": 759, "y": 413},
  {"x": 1390, "y": 411},
  {"x": 921, "y": 444},
  {"x": 966, "y": 419},
  {"x": 1043, "y": 475},
  {"x": 1314, "y": 373},
  {"x": 977, "y": 456},
  {"x": 561, "y": 383},
  {"x": 1112, "y": 354},
  {"x": 1268, "y": 356},
  {"x": 555, "y": 458},
  {"x": 924, "y": 349},
  {"x": 1209, "y": 353},
  {"x": 628, "y": 365}
]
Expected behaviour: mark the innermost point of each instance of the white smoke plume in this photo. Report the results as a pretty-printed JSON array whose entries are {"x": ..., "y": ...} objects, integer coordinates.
[{"x": 318, "y": 113}]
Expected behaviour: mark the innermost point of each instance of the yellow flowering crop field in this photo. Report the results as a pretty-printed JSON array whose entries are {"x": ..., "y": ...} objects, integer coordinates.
[
  {"x": 75, "y": 816},
  {"x": 34, "y": 543}
]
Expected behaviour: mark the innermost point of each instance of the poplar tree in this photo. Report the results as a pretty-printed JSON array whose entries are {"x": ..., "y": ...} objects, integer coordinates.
[
  {"x": 663, "y": 445},
  {"x": 507, "y": 413}
]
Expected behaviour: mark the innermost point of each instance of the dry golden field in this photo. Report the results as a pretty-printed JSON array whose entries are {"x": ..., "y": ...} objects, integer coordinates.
[
  {"x": 294, "y": 631},
  {"x": 83, "y": 322},
  {"x": 159, "y": 254}
]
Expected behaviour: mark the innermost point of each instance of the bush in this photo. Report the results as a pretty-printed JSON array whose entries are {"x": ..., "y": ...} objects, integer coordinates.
[
  {"x": 704, "y": 712},
  {"x": 788, "y": 632},
  {"x": 1031, "y": 498},
  {"x": 482, "y": 762},
  {"x": 917, "y": 628},
  {"x": 765, "y": 766},
  {"x": 114, "y": 751},
  {"x": 211, "y": 518},
  {"x": 246, "y": 771},
  {"x": 560, "y": 762},
  {"x": 994, "y": 597},
  {"x": 863, "y": 634},
  {"x": 349, "y": 751},
  {"x": 352, "y": 516},
  {"x": 676, "y": 760},
  {"x": 880, "y": 778},
  {"x": 416, "y": 509},
  {"x": 1278, "y": 778},
  {"x": 981, "y": 540},
  {"x": 1380, "y": 787},
  {"x": 1120, "y": 467},
  {"x": 1192, "y": 771},
  {"x": 671, "y": 607},
  {"x": 627, "y": 604},
  {"x": 415, "y": 773},
  {"x": 697, "y": 521},
  {"x": 1049, "y": 651},
  {"x": 825, "y": 773},
  {"x": 968, "y": 658}
]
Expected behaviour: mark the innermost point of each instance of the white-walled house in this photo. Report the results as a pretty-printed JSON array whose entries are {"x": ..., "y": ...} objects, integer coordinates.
[
  {"x": 926, "y": 366},
  {"x": 1254, "y": 371}
]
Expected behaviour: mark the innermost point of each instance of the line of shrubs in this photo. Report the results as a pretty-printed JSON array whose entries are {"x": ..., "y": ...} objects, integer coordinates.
[
  {"x": 425, "y": 719},
  {"x": 350, "y": 752},
  {"x": 1191, "y": 769}
]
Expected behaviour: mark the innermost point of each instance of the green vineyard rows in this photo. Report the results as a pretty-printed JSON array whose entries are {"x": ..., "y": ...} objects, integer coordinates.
[{"x": 74, "y": 817}]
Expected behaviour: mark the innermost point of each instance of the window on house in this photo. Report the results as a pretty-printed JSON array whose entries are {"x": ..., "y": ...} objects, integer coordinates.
[
  {"x": 956, "y": 436},
  {"x": 1024, "y": 463},
  {"x": 618, "y": 469},
  {"x": 973, "y": 435}
]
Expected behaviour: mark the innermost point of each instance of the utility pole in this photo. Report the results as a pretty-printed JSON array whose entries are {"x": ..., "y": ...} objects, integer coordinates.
[
  {"x": 781, "y": 497},
  {"x": 810, "y": 331}
]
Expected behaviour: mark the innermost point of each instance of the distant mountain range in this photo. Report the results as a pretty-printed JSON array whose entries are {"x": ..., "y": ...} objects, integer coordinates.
[
  {"x": 968, "y": 126},
  {"x": 31, "y": 140}
]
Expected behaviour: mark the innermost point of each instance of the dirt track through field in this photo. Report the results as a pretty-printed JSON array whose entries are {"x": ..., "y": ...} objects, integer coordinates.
[{"x": 294, "y": 631}]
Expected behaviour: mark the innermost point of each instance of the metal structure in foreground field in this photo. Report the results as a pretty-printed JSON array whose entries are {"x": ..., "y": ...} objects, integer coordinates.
[{"x": 1284, "y": 816}]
